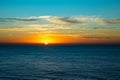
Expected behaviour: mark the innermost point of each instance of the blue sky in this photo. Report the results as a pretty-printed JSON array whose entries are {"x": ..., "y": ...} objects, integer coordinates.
[{"x": 25, "y": 8}]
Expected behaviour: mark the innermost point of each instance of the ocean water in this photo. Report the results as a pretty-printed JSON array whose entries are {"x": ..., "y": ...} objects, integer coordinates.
[{"x": 59, "y": 62}]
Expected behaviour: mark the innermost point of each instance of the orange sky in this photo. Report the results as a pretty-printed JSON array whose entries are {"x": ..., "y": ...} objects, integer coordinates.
[
  {"x": 55, "y": 39},
  {"x": 55, "y": 30}
]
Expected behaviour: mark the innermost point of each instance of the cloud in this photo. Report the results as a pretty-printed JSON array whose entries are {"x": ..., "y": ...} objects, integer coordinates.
[
  {"x": 12, "y": 29},
  {"x": 16, "y": 19},
  {"x": 67, "y": 20},
  {"x": 31, "y": 27},
  {"x": 39, "y": 17},
  {"x": 36, "y": 28},
  {"x": 82, "y": 20},
  {"x": 113, "y": 21},
  {"x": 64, "y": 20},
  {"x": 106, "y": 21},
  {"x": 96, "y": 37}
]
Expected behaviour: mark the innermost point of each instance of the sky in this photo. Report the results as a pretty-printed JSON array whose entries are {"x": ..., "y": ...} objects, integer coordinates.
[{"x": 60, "y": 21}]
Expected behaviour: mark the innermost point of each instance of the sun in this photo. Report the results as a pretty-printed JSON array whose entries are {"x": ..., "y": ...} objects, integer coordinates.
[{"x": 46, "y": 43}]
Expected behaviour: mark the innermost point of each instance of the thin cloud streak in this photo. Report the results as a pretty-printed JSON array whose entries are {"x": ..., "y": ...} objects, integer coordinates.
[
  {"x": 64, "y": 20},
  {"x": 96, "y": 37},
  {"x": 16, "y": 20}
]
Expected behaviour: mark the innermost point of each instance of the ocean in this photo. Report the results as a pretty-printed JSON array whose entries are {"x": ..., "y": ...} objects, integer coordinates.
[{"x": 59, "y": 62}]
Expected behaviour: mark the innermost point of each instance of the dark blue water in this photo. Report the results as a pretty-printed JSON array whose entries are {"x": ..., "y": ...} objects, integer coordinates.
[{"x": 59, "y": 62}]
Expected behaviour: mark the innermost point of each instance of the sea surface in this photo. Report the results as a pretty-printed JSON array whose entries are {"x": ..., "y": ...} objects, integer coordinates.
[{"x": 59, "y": 62}]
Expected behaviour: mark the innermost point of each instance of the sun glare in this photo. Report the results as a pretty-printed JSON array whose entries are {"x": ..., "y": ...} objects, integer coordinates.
[
  {"x": 48, "y": 40},
  {"x": 46, "y": 43}
]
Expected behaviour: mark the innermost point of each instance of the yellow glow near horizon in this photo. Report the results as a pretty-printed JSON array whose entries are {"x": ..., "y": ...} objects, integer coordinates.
[
  {"x": 46, "y": 43},
  {"x": 46, "y": 39}
]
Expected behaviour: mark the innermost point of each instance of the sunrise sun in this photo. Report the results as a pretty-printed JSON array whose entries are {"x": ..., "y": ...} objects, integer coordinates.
[{"x": 46, "y": 43}]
